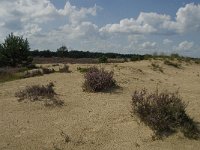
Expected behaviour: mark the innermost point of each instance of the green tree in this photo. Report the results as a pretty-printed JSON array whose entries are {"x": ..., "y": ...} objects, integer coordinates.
[
  {"x": 15, "y": 51},
  {"x": 62, "y": 51}
]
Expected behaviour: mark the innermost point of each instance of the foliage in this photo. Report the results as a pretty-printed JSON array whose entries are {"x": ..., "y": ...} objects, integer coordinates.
[
  {"x": 38, "y": 93},
  {"x": 164, "y": 113},
  {"x": 62, "y": 51},
  {"x": 15, "y": 51},
  {"x": 103, "y": 59},
  {"x": 98, "y": 80}
]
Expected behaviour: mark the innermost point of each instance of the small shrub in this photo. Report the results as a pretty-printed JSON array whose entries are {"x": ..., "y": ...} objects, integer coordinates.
[
  {"x": 39, "y": 93},
  {"x": 98, "y": 80},
  {"x": 103, "y": 59},
  {"x": 47, "y": 70},
  {"x": 65, "y": 68},
  {"x": 156, "y": 67},
  {"x": 33, "y": 73},
  {"x": 164, "y": 113},
  {"x": 82, "y": 70},
  {"x": 170, "y": 63}
]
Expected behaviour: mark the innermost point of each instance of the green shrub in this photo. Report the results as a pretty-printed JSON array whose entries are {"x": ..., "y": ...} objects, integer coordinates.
[
  {"x": 164, "y": 113},
  {"x": 103, "y": 59},
  {"x": 40, "y": 93},
  {"x": 97, "y": 80}
]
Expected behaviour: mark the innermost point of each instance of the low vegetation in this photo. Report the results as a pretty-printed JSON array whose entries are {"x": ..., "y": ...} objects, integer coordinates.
[
  {"x": 48, "y": 70},
  {"x": 64, "y": 69},
  {"x": 164, "y": 113},
  {"x": 103, "y": 59},
  {"x": 173, "y": 64},
  {"x": 40, "y": 93},
  {"x": 6, "y": 76},
  {"x": 32, "y": 73},
  {"x": 97, "y": 80},
  {"x": 157, "y": 67},
  {"x": 82, "y": 69}
]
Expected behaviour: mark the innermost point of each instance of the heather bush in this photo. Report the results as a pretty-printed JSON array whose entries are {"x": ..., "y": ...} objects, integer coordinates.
[
  {"x": 164, "y": 113},
  {"x": 40, "y": 93},
  {"x": 65, "y": 68},
  {"x": 98, "y": 80}
]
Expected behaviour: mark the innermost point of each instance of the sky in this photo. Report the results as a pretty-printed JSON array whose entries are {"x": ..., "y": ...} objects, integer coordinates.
[{"x": 120, "y": 26}]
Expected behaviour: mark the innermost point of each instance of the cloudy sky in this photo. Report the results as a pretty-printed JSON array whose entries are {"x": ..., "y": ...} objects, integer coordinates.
[{"x": 122, "y": 26}]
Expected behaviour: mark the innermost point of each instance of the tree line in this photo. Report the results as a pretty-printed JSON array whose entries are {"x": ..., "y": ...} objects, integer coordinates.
[{"x": 15, "y": 51}]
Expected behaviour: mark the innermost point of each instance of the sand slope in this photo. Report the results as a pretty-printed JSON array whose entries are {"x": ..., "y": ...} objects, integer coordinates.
[{"x": 95, "y": 121}]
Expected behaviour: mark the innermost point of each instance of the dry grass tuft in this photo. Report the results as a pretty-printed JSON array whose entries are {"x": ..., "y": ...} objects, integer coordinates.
[{"x": 40, "y": 93}]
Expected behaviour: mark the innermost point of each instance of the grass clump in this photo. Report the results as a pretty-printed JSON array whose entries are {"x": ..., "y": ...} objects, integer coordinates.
[
  {"x": 82, "y": 70},
  {"x": 156, "y": 67},
  {"x": 97, "y": 80},
  {"x": 6, "y": 76},
  {"x": 64, "y": 69},
  {"x": 164, "y": 113},
  {"x": 40, "y": 93},
  {"x": 173, "y": 64}
]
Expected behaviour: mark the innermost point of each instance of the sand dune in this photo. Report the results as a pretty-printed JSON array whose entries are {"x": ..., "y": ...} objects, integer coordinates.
[{"x": 95, "y": 121}]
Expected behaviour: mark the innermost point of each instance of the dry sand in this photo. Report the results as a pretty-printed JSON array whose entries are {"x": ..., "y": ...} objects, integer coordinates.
[{"x": 95, "y": 121}]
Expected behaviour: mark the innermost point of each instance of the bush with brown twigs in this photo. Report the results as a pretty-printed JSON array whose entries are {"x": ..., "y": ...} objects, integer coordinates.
[
  {"x": 164, "y": 113},
  {"x": 40, "y": 93},
  {"x": 97, "y": 80}
]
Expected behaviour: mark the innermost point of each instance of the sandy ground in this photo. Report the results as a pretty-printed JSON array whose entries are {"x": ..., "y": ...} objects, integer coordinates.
[{"x": 95, "y": 121}]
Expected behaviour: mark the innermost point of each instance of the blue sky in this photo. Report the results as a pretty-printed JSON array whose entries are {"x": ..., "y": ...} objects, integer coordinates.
[{"x": 122, "y": 26}]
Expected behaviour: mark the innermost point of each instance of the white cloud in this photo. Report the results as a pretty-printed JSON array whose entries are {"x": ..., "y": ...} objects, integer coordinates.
[
  {"x": 185, "y": 46},
  {"x": 18, "y": 14},
  {"x": 167, "y": 41},
  {"x": 187, "y": 20},
  {"x": 148, "y": 45}
]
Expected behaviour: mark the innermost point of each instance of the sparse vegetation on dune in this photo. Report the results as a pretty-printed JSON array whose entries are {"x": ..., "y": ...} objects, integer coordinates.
[
  {"x": 64, "y": 69},
  {"x": 82, "y": 69},
  {"x": 165, "y": 113},
  {"x": 157, "y": 67},
  {"x": 97, "y": 80},
  {"x": 173, "y": 64},
  {"x": 40, "y": 93}
]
